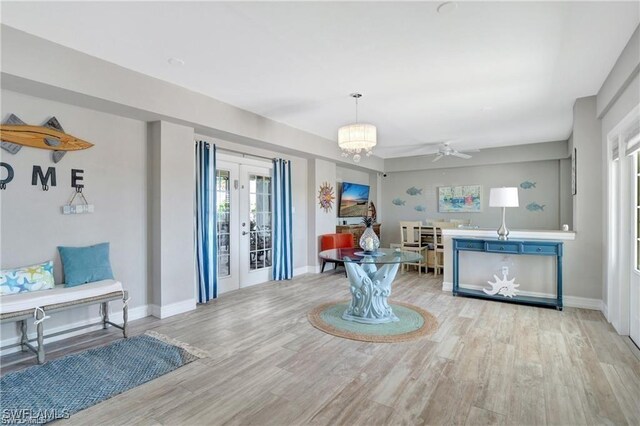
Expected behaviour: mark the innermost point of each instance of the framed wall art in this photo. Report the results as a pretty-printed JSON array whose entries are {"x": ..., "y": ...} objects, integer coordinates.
[{"x": 460, "y": 199}]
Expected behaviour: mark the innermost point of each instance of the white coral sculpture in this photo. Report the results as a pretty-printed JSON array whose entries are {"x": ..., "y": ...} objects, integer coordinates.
[{"x": 504, "y": 287}]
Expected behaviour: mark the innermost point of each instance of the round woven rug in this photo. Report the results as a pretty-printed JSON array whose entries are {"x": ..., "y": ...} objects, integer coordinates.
[{"x": 414, "y": 322}]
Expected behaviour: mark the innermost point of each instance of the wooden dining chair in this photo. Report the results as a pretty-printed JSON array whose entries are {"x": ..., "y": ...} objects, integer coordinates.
[
  {"x": 438, "y": 244},
  {"x": 411, "y": 240}
]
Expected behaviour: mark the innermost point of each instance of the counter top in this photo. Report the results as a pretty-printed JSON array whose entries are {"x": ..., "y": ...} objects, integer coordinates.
[{"x": 538, "y": 234}]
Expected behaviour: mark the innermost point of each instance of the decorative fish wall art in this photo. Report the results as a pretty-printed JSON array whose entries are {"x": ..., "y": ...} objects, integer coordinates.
[
  {"x": 398, "y": 202},
  {"x": 413, "y": 191},
  {"x": 527, "y": 184},
  {"x": 535, "y": 207},
  {"x": 15, "y": 134},
  {"x": 420, "y": 208}
]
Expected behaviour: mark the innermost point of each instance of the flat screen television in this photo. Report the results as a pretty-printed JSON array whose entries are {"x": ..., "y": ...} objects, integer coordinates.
[{"x": 354, "y": 200}]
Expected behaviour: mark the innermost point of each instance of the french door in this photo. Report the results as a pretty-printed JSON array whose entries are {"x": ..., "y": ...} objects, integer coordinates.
[
  {"x": 256, "y": 251},
  {"x": 243, "y": 201},
  {"x": 227, "y": 200}
]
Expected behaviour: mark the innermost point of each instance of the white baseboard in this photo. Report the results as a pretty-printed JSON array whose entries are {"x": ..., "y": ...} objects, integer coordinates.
[
  {"x": 568, "y": 301},
  {"x": 303, "y": 270},
  {"x": 134, "y": 313},
  {"x": 172, "y": 309}
]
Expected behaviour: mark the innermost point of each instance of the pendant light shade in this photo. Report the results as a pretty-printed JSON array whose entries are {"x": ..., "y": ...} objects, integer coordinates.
[{"x": 357, "y": 138}]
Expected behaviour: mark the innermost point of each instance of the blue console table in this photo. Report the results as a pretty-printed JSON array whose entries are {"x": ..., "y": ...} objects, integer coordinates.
[{"x": 513, "y": 247}]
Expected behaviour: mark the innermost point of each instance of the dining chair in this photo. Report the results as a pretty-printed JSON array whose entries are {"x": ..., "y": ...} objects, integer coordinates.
[
  {"x": 411, "y": 240},
  {"x": 438, "y": 244},
  {"x": 335, "y": 241}
]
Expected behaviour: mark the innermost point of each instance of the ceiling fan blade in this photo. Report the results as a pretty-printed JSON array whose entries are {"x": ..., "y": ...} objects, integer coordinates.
[
  {"x": 460, "y": 155},
  {"x": 439, "y": 156},
  {"x": 468, "y": 150}
]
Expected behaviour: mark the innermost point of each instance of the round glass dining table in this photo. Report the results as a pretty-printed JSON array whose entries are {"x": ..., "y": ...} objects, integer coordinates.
[{"x": 370, "y": 286}]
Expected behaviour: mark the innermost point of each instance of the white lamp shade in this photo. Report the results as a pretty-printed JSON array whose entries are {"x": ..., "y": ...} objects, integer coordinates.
[
  {"x": 357, "y": 136},
  {"x": 503, "y": 197}
]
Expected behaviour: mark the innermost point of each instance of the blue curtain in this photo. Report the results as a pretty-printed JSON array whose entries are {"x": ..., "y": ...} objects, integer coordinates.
[
  {"x": 282, "y": 221},
  {"x": 206, "y": 222}
]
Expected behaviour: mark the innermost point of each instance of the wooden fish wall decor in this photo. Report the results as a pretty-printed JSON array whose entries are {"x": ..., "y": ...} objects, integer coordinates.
[{"x": 15, "y": 134}]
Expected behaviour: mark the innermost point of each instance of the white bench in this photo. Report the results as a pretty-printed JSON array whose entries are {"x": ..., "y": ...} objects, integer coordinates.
[{"x": 37, "y": 304}]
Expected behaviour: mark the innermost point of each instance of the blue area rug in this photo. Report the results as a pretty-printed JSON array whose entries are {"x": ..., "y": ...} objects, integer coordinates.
[{"x": 59, "y": 388}]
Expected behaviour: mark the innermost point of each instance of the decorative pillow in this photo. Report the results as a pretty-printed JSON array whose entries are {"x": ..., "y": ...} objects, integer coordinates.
[
  {"x": 27, "y": 278},
  {"x": 83, "y": 265}
]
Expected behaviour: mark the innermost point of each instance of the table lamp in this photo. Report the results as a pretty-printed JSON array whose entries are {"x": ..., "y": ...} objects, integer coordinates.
[{"x": 503, "y": 197}]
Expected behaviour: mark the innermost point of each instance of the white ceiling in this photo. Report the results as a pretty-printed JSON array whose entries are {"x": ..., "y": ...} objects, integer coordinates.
[{"x": 489, "y": 74}]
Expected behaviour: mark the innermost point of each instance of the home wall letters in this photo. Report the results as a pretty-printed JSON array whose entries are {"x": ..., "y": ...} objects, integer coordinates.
[{"x": 39, "y": 177}]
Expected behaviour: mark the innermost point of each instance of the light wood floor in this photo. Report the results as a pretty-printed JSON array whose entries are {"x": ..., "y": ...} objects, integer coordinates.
[{"x": 488, "y": 362}]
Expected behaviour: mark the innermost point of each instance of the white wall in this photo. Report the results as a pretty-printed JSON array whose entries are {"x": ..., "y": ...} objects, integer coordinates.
[
  {"x": 545, "y": 174},
  {"x": 115, "y": 182}
]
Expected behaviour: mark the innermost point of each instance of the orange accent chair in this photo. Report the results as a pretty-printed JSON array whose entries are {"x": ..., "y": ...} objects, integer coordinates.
[{"x": 335, "y": 241}]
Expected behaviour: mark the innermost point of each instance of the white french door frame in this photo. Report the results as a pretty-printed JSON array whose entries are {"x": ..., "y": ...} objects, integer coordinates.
[
  {"x": 248, "y": 276},
  {"x": 621, "y": 244},
  {"x": 237, "y": 277},
  {"x": 232, "y": 281}
]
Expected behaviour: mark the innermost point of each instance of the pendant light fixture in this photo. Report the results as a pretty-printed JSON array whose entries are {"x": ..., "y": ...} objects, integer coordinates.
[{"x": 357, "y": 138}]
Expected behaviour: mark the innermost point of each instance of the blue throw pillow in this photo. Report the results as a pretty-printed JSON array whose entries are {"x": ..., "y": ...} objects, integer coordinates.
[{"x": 83, "y": 265}]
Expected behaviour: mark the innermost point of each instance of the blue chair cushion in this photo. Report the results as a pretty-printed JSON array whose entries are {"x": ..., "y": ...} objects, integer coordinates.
[{"x": 83, "y": 265}]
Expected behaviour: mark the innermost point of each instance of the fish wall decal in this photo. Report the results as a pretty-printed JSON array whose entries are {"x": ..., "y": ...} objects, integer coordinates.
[
  {"x": 414, "y": 191},
  {"x": 527, "y": 185},
  {"x": 398, "y": 202},
  {"x": 535, "y": 207},
  {"x": 15, "y": 134},
  {"x": 420, "y": 208}
]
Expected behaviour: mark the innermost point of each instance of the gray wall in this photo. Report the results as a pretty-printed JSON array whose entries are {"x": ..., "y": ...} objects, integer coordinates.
[
  {"x": 320, "y": 222},
  {"x": 487, "y": 156},
  {"x": 586, "y": 257},
  {"x": 344, "y": 174},
  {"x": 171, "y": 239},
  {"x": 546, "y": 175},
  {"x": 115, "y": 182},
  {"x": 49, "y": 70},
  {"x": 299, "y": 197}
]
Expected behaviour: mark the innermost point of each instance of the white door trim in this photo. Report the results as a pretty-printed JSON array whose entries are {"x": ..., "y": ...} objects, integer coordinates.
[{"x": 617, "y": 259}]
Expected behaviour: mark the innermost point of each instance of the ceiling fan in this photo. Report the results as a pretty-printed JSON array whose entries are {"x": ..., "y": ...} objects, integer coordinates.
[{"x": 445, "y": 150}]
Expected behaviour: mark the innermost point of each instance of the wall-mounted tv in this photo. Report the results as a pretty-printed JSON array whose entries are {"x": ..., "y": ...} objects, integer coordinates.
[{"x": 354, "y": 200}]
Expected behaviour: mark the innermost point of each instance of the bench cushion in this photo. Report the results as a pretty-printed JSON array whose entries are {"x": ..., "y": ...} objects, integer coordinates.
[{"x": 60, "y": 294}]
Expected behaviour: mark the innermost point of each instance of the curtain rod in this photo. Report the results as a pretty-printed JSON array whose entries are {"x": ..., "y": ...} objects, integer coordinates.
[{"x": 244, "y": 154}]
